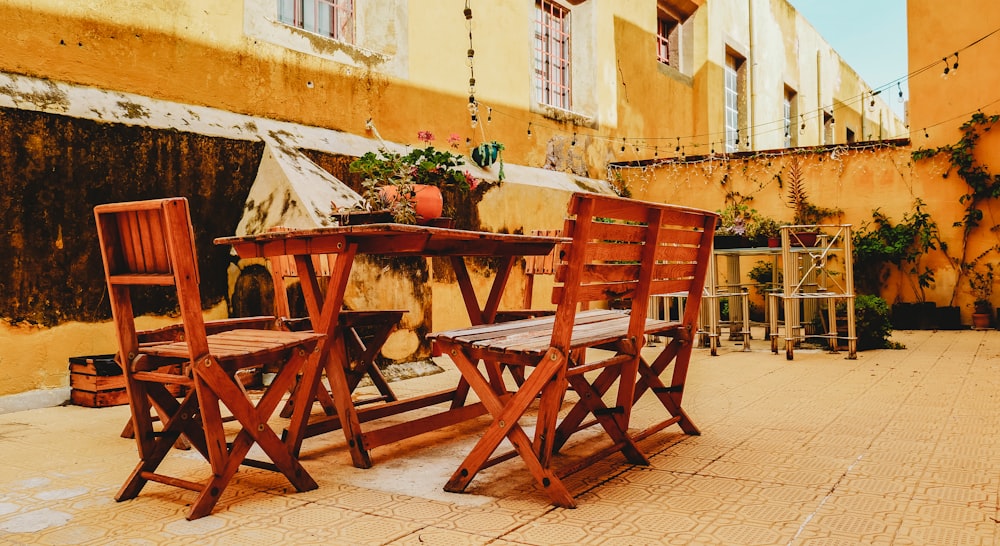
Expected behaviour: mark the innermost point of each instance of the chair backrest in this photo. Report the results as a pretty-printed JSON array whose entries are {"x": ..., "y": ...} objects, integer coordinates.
[
  {"x": 150, "y": 243},
  {"x": 623, "y": 249}
]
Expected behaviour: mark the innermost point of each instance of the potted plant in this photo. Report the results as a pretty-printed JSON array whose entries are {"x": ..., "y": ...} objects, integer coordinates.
[
  {"x": 766, "y": 231},
  {"x": 487, "y": 154},
  {"x": 872, "y": 323},
  {"x": 981, "y": 286},
  {"x": 807, "y": 215},
  {"x": 735, "y": 221},
  {"x": 409, "y": 185}
]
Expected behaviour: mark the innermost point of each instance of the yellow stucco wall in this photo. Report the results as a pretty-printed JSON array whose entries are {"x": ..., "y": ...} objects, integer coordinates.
[
  {"x": 231, "y": 54},
  {"x": 35, "y": 357}
]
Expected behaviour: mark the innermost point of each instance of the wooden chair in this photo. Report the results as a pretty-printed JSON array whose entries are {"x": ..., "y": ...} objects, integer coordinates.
[
  {"x": 150, "y": 243},
  {"x": 364, "y": 331},
  {"x": 621, "y": 250}
]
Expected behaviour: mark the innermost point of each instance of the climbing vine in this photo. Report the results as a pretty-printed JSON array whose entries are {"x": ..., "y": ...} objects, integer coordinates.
[{"x": 981, "y": 184}]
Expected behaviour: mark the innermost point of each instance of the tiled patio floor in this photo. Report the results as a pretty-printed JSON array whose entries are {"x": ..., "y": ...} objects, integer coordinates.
[{"x": 896, "y": 447}]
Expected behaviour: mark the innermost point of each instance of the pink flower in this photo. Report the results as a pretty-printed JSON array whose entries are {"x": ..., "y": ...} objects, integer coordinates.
[
  {"x": 425, "y": 136},
  {"x": 454, "y": 140},
  {"x": 471, "y": 180}
]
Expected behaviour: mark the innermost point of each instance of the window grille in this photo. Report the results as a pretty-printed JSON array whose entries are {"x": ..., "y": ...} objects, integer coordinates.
[
  {"x": 665, "y": 29},
  {"x": 552, "y": 55},
  {"x": 331, "y": 18},
  {"x": 732, "y": 104}
]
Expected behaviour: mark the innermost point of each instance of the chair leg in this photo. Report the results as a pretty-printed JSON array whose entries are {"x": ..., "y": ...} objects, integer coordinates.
[
  {"x": 613, "y": 420},
  {"x": 670, "y": 397},
  {"x": 504, "y": 425},
  {"x": 649, "y": 378},
  {"x": 154, "y": 447}
]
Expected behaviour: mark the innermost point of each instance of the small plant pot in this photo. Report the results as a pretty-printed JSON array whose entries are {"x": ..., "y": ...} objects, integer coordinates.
[
  {"x": 980, "y": 321},
  {"x": 804, "y": 238},
  {"x": 427, "y": 200},
  {"x": 774, "y": 242}
]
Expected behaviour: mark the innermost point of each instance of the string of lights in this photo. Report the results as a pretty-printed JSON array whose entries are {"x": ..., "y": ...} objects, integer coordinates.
[
  {"x": 471, "y": 54},
  {"x": 953, "y": 118},
  {"x": 710, "y": 140}
]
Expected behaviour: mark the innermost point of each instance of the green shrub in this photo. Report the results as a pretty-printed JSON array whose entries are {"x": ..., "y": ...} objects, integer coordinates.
[{"x": 871, "y": 323}]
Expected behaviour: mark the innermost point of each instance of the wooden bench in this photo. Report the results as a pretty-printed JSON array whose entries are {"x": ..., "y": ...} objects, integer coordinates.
[{"x": 621, "y": 250}]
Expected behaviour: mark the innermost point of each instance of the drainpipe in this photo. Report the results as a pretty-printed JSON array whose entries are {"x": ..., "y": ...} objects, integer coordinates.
[
  {"x": 862, "y": 111},
  {"x": 751, "y": 134},
  {"x": 819, "y": 97}
]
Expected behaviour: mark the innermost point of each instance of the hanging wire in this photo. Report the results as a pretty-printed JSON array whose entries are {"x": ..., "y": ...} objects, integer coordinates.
[
  {"x": 709, "y": 139},
  {"x": 473, "y": 105}
]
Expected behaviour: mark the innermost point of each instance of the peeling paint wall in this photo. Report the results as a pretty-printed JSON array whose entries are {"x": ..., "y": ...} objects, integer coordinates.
[{"x": 56, "y": 169}]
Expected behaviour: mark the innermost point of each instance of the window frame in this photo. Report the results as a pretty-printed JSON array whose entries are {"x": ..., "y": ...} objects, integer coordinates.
[
  {"x": 340, "y": 25},
  {"x": 553, "y": 42},
  {"x": 669, "y": 39},
  {"x": 790, "y": 104},
  {"x": 731, "y": 97}
]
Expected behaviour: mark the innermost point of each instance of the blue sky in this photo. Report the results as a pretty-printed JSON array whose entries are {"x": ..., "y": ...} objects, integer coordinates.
[{"x": 869, "y": 34}]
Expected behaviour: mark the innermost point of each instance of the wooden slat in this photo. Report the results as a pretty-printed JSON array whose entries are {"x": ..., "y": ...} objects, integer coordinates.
[{"x": 147, "y": 279}]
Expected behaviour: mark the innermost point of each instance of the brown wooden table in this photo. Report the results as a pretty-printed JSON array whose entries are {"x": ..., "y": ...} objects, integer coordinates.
[{"x": 384, "y": 240}]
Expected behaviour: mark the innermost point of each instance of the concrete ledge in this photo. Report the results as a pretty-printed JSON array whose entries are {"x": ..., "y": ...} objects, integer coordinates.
[{"x": 40, "y": 398}]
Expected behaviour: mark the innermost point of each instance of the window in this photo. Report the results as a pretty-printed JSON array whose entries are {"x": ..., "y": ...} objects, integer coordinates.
[
  {"x": 733, "y": 93},
  {"x": 332, "y": 18},
  {"x": 675, "y": 36},
  {"x": 850, "y": 136},
  {"x": 828, "y": 122},
  {"x": 552, "y": 55},
  {"x": 667, "y": 40},
  {"x": 790, "y": 113}
]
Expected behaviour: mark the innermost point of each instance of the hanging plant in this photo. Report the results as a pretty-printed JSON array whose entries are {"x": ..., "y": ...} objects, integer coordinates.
[{"x": 487, "y": 154}]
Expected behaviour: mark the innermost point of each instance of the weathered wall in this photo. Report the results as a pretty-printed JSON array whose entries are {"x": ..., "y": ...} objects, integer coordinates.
[{"x": 55, "y": 169}]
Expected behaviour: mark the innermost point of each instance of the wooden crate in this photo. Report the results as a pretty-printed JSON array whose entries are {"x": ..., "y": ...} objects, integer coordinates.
[
  {"x": 96, "y": 381},
  {"x": 115, "y": 397}
]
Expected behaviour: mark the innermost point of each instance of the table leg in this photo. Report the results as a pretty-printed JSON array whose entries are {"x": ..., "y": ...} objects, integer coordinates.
[
  {"x": 325, "y": 314},
  {"x": 481, "y": 315}
]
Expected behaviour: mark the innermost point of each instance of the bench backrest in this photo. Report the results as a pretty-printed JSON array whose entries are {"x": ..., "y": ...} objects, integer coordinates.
[{"x": 624, "y": 249}]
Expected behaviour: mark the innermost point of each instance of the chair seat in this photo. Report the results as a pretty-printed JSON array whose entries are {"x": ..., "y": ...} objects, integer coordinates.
[
  {"x": 236, "y": 348},
  {"x": 533, "y": 336}
]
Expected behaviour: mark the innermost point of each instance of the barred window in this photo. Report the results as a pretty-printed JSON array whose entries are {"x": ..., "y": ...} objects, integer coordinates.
[
  {"x": 331, "y": 18},
  {"x": 552, "y": 55},
  {"x": 667, "y": 41}
]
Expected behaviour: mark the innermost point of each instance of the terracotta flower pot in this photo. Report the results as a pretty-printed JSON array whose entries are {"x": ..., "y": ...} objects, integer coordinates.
[
  {"x": 804, "y": 238},
  {"x": 980, "y": 321},
  {"x": 427, "y": 200}
]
